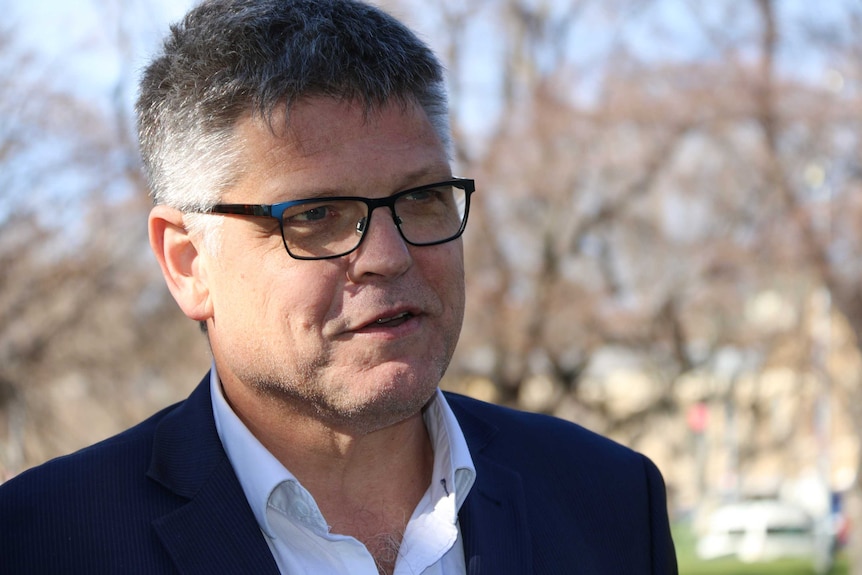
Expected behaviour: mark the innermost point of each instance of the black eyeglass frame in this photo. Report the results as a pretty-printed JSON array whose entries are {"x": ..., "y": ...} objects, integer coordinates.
[{"x": 276, "y": 211}]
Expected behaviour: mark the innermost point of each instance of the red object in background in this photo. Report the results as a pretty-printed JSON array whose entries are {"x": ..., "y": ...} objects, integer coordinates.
[{"x": 698, "y": 417}]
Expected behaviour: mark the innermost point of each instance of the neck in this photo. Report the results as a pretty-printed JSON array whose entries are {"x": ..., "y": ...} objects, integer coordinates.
[
  {"x": 366, "y": 483},
  {"x": 342, "y": 464}
]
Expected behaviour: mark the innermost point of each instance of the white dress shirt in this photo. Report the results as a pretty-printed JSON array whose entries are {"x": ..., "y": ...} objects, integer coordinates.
[{"x": 296, "y": 531}]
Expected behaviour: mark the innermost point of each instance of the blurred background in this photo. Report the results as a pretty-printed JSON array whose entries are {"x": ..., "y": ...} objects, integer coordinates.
[{"x": 666, "y": 246}]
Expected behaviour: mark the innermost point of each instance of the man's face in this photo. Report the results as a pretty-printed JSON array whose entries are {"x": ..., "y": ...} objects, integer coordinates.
[{"x": 307, "y": 332}]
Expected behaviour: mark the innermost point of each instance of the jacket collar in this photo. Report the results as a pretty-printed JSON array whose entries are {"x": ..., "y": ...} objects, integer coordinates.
[
  {"x": 213, "y": 529},
  {"x": 493, "y": 520}
]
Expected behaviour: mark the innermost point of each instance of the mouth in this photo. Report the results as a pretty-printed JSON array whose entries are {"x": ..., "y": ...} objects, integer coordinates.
[{"x": 393, "y": 321}]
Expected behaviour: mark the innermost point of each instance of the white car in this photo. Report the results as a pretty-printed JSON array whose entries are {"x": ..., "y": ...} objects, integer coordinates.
[{"x": 758, "y": 530}]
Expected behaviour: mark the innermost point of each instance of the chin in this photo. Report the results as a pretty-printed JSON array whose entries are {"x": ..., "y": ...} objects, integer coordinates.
[{"x": 382, "y": 406}]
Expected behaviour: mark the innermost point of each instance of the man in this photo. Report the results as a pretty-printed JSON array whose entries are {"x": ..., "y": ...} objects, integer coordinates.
[{"x": 307, "y": 216}]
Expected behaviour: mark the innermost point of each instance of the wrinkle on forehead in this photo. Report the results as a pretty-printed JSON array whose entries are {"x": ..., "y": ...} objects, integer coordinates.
[
  {"x": 333, "y": 147},
  {"x": 283, "y": 121}
]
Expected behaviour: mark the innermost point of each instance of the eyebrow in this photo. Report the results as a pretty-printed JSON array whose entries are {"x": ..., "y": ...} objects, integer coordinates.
[
  {"x": 423, "y": 174},
  {"x": 411, "y": 180}
]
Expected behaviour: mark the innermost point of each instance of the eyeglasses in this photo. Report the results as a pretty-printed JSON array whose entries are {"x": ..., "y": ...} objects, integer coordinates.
[{"x": 325, "y": 228}]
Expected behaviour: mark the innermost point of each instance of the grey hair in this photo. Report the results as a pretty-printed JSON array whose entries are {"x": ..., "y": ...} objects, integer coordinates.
[{"x": 231, "y": 58}]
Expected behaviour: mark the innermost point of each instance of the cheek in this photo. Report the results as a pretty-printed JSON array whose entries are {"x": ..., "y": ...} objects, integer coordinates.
[
  {"x": 445, "y": 271},
  {"x": 244, "y": 297},
  {"x": 451, "y": 266},
  {"x": 303, "y": 302}
]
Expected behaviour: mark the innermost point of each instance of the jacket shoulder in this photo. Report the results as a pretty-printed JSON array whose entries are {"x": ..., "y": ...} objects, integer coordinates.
[
  {"x": 89, "y": 511},
  {"x": 586, "y": 499},
  {"x": 126, "y": 451},
  {"x": 483, "y": 422}
]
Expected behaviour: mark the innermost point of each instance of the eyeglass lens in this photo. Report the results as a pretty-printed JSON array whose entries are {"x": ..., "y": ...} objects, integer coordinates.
[{"x": 335, "y": 227}]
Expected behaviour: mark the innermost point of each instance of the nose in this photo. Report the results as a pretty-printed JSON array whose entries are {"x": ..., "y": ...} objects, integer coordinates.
[{"x": 383, "y": 251}]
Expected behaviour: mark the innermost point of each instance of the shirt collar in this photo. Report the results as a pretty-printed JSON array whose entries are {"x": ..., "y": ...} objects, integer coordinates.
[
  {"x": 260, "y": 473},
  {"x": 452, "y": 461}
]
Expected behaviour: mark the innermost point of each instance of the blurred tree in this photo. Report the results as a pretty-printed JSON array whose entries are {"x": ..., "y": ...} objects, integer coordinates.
[
  {"x": 670, "y": 183},
  {"x": 688, "y": 194},
  {"x": 88, "y": 333}
]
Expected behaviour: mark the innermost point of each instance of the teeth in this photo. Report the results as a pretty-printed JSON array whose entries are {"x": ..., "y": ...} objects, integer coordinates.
[{"x": 388, "y": 319}]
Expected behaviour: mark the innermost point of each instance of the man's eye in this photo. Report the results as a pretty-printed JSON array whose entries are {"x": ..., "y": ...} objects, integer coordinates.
[
  {"x": 313, "y": 214},
  {"x": 419, "y": 195},
  {"x": 423, "y": 195}
]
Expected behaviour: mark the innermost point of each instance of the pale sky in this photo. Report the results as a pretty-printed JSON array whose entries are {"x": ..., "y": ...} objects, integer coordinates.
[{"x": 79, "y": 39}]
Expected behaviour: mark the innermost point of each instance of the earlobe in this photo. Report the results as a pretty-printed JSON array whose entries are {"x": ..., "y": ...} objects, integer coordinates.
[{"x": 181, "y": 262}]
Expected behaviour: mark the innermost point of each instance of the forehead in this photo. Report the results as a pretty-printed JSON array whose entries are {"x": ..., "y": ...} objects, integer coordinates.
[
  {"x": 325, "y": 125},
  {"x": 339, "y": 145}
]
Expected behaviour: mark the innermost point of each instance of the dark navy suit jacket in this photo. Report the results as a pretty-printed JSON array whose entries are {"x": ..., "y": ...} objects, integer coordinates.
[{"x": 550, "y": 498}]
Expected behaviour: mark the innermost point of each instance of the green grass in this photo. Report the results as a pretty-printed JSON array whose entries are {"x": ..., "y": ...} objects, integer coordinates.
[
  {"x": 729, "y": 567},
  {"x": 689, "y": 564}
]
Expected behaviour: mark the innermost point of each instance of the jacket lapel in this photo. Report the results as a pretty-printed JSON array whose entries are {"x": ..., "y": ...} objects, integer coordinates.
[
  {"x": 493, "y": 519},
  {"x": 214, "y": 531}
]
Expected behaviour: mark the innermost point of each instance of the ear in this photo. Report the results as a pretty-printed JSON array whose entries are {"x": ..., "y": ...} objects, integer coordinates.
[{"x": 182, "y": 264}]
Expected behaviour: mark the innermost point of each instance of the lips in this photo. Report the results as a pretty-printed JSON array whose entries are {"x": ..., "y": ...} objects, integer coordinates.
[
  {"x": 386, "y": 319},
  {"x": 393, "y": 321}
]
